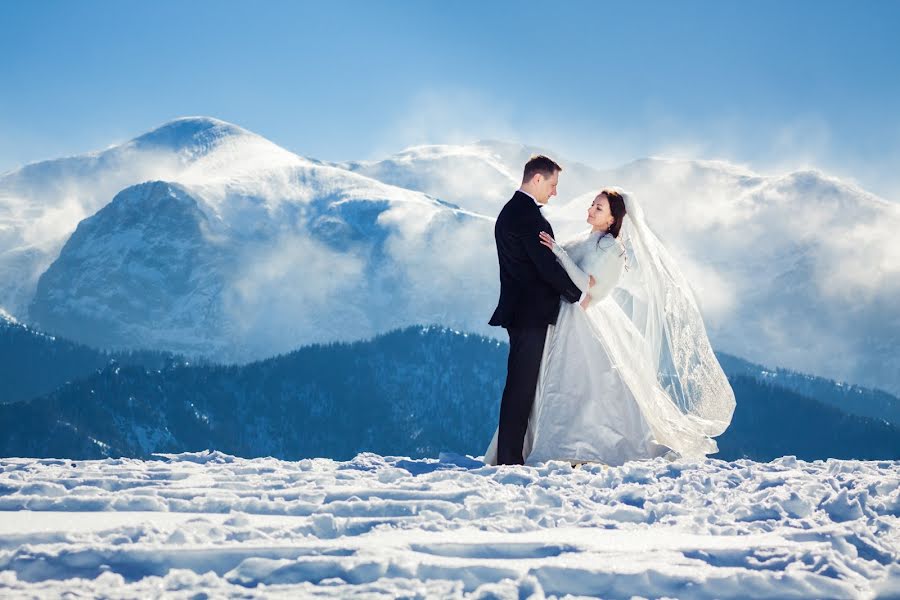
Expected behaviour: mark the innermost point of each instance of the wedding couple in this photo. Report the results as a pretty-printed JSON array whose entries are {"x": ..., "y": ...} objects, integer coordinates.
[{"x": 608, "y": 356}]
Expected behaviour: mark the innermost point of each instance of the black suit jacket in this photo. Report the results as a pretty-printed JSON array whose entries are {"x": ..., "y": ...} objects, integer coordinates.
[{"x": 531, "y": 280}]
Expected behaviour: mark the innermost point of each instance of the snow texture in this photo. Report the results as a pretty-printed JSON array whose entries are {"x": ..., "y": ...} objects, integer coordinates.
[{"x": 384, "y": 527}]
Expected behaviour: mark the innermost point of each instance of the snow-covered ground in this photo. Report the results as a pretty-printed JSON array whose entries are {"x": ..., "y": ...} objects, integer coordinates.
[{"x": 450, "y": 527}]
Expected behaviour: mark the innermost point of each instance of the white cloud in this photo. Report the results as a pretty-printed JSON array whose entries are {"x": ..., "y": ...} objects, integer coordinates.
[
  {"x": 281, "y": 289},
  {"x": 448, "y": 116}
]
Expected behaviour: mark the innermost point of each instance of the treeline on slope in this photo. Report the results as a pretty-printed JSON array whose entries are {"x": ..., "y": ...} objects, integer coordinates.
[
  {"x": 849, "y": 398},
  {"x": 34, "y": 363},
  {"x": 771, "y": 421},
  {"x": 413, "y": 392},
  {"x": 394, "y": 395}
]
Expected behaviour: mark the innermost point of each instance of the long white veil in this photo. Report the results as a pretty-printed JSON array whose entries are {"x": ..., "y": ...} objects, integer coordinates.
[{"x": 653, "y": 331}]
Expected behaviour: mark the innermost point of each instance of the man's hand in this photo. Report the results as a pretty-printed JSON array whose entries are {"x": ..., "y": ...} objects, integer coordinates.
[{"x": 587, "y": 300}]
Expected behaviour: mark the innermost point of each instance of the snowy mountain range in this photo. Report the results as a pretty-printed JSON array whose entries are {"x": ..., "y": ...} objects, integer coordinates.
[
  {"x": 203, "y": 238},
  {"x": 478, "y": 177},
  {"x": 42, "y": 203},
  {"x": 799, "y": 269},
  {"x": 249, "y": 251}
]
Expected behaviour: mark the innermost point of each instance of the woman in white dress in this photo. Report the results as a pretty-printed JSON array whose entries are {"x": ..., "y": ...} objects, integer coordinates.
[{"x": 628, "y": 373}]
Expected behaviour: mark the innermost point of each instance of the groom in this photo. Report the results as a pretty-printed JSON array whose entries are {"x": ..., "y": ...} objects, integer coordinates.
[{"x": 531, "y": 284}]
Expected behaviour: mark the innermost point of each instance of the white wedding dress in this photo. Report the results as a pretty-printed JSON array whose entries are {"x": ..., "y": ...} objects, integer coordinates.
[{"x": 632, "y": 376}]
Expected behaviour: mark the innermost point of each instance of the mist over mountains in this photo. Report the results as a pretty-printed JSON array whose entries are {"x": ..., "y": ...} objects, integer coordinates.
[{"x": 203, "y": 238}]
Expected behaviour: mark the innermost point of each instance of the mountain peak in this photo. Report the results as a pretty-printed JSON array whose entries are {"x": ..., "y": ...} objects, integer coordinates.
[
  {"x": 187, "y": 133},
  {"x": 159, "y": 201}
]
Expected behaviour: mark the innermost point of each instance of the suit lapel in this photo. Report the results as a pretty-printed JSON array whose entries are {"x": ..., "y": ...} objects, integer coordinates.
[
  {"x": 527, "y": 204},
  {"x": 525, "y": 200}
]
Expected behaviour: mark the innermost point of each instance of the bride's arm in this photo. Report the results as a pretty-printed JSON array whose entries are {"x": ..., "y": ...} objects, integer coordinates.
[
  {"x": 607, "y": 267},
  {"x": 575, "y": 273},
  {"x": 604, "y": 267}
]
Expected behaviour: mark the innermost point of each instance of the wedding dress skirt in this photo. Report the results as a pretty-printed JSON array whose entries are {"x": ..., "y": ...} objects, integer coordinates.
[{"x": 583, "y": 410}]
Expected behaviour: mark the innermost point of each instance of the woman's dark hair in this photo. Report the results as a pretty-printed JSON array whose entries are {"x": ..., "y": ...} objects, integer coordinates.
[{"x": 616, "y": 207}]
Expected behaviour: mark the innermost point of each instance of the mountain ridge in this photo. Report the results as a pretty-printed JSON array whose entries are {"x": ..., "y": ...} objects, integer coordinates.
[{"x": 774, "y": 259}]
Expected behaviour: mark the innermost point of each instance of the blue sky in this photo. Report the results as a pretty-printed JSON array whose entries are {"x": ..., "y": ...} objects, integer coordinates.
[{"x": 772, "y": 85}]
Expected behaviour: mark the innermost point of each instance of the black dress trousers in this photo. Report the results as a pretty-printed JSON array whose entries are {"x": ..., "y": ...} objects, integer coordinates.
[{"x": 526, "y": 347}]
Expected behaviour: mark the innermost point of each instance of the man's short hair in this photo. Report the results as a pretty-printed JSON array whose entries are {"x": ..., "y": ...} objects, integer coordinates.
[{"x": 539, "y": 163}]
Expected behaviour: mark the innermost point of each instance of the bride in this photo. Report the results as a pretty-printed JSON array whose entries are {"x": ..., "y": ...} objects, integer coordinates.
[{"x": 628, "y": 373}]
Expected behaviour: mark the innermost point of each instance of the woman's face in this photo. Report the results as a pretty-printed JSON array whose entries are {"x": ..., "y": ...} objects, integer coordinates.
[{"x": 598, "y": 214}]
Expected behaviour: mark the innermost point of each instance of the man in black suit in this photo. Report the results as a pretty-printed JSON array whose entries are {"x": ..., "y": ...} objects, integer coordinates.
[{"x": 531, "y": 284}]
